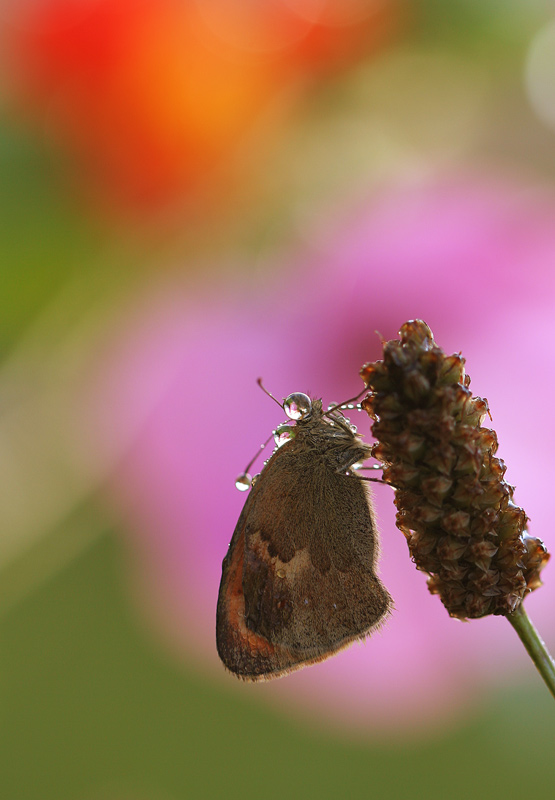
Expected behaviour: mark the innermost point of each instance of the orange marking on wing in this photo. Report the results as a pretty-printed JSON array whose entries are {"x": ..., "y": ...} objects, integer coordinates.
[{"x": 235, "y": 604}]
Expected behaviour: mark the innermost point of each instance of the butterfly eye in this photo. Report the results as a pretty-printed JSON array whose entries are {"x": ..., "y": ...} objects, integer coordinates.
[
  {"x": 284, "y": 433},
  {"x": 297, "y": 406}
]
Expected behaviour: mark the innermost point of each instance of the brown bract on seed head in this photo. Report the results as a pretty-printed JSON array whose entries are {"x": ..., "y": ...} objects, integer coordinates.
[{"x": 453, "y": 505}]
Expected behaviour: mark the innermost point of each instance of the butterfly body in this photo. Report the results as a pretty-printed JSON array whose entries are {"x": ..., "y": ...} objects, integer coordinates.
[{"x": 298, "y": 582}]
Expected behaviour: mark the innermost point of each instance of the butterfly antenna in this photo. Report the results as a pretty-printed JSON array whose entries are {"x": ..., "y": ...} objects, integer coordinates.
[
  {"x": 259, "y": 382},
  {"x": 347, "y": 402}
]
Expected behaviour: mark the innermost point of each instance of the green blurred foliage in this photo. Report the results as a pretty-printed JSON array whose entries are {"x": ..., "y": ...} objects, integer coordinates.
[
  {"x": 90, "y": 703},
  {"x": 480, "y": 25},
  {"x": 43, "y": 242}
]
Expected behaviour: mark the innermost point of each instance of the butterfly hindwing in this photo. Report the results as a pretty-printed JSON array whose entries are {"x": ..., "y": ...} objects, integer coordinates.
[{"x": 298, "y": 583}]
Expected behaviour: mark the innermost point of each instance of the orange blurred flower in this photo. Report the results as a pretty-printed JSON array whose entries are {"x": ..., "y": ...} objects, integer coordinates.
[{"x": 155, "y": 96}]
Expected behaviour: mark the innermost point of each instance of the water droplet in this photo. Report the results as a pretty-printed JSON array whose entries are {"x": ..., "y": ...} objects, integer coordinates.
[
  {"x": 243, "y": 482},
  {"x": 335, "y": 605},
  {"x": 280, "y": 573},
  {"x": 255, "y": 478},
  {"x": 358, "y": 465},
  {"x": 305, "y": 601},
  {"x": 284, "y": 433},
  {"x": 297, "y": 406}
]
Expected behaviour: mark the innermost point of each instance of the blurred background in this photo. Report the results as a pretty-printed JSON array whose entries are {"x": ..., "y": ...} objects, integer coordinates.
[{"x": 196, "y": 193}]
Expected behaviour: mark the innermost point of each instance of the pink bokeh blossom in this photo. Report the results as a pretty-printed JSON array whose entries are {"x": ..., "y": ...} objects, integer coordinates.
[{"x": 176, "y": 394}]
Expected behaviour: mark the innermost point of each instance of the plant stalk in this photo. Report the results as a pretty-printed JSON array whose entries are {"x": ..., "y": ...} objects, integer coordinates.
[{"x": 535, "y": 646}]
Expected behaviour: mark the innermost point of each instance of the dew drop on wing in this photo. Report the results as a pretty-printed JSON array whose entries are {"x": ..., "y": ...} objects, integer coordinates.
[
  {"x": 283, "y": 433},
  {"x": 297, "y": 406}
]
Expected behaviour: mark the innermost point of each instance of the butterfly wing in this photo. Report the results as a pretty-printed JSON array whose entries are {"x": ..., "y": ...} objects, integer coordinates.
[{"x": 299, "y": 580}]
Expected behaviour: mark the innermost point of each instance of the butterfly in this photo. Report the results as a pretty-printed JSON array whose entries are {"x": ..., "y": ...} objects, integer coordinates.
[{"x": 299, "y": 580}]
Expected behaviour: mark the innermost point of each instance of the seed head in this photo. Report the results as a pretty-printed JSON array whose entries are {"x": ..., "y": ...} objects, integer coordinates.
[{"x": 453, "y": 504}]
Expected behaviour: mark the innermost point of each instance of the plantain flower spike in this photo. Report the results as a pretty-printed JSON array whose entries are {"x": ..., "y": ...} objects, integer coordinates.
[{"x": 453, "y": 505}]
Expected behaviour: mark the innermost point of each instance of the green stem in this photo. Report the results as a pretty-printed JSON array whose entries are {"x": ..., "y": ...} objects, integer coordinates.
[{"x": 535, "y": 646}]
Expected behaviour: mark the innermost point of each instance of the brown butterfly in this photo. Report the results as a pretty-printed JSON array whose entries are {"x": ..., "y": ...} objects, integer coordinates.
[{"x": 298, "y": 581}]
